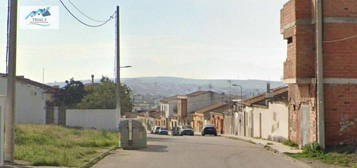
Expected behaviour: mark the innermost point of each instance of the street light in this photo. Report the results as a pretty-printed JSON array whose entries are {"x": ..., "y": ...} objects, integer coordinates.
[
  {"x": 241, "y": 91},
  {"x": 126, "y": 66},
  {"x": 240, "y": 104}
]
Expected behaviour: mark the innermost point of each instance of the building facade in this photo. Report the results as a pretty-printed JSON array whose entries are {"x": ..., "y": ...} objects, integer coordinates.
[
  {"x": 192, "y": 102},
  {"x": 265, "y": 116},
  {"x": 34, "y": 100},
  {"x": 339, "y": 72},
  {"x": 210, "y": 115},
  {"x": 168, "y": 106}
]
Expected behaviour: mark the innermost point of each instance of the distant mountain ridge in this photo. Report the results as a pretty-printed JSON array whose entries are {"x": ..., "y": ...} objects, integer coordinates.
[{"x": 169, "y": 86}]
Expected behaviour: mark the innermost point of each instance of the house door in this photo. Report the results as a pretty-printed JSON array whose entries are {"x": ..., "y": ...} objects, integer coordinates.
[
  {"x": 50, "y": 114},
  {"x": 305, "y": 124}
]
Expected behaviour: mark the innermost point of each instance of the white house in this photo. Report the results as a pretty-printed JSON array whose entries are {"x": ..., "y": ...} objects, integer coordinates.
[
  {"x": 200, "y": 99},
  {"x": 192, "y": 102},
  {"x": 33, "y": 100},
  {"x": 265, "y": 116},
  {"x": 168, "y": 106}
]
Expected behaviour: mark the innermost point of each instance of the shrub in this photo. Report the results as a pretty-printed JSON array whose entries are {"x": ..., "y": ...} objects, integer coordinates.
[{"x": 290, "y": 143}]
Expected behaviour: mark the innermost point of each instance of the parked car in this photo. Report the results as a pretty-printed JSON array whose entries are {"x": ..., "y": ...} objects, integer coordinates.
[
  {"x": 155, "y": 130},
  {"x": 186, "y": 130},
  {"x": 209, "y": 129},
  {"x": 163, "y": 131},
  {"x": 175, "y": 131}
]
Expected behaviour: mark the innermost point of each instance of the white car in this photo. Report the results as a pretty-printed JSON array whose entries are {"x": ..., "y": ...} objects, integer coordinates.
[
  {"x": 186, "y": 130},
  {"x": 155, "y": 130}
]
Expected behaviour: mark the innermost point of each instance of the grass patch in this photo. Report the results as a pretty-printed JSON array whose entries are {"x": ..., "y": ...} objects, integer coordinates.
[
  {"x": 313, "y": 151},
  {"x": 290, "y": 143},
  {"x": 50, "y": 145}
]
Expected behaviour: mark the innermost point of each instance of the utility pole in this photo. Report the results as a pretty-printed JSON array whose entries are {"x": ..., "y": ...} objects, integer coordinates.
[
  {"x": 2, "y": 136},
  {"x": 117, "y": 90},
  {"x": 11, "y": 80},
  {"x": 319, "y": 73},
  {"x": 92, "y": 76},
  {"x": 43, "y": 75}
]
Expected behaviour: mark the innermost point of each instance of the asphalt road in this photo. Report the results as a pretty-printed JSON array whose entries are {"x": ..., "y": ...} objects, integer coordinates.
[{"x": 197, "y": 152}]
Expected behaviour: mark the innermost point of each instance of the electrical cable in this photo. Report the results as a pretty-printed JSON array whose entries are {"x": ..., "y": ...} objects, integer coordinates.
[
  {"x": 343, "y": 39},
  {"x": 85, "y": 15},
  {"x": 82, "y": 22}
]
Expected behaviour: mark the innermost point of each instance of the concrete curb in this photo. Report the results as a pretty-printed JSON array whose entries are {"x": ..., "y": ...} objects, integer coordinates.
[
  {"x": 244, "y": 140},
  {"x": 269, "y": 148},
  {"x": 99, "y": 158}
]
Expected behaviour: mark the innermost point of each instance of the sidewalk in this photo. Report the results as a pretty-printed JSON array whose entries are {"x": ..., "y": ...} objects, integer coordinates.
[{"x": 275, "y": 146}]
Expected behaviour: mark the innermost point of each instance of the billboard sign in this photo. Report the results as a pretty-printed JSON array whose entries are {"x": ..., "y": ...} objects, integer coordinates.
[{"x": 39, "y": 17}]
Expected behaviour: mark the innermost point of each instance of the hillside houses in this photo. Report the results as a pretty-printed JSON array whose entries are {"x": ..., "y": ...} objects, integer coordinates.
[
  {"x": 264, "y": 116},
  {"x": 179, "y": 110},
  {"x": 210, "y": 115},
  {"x": 188, "y": 104}
]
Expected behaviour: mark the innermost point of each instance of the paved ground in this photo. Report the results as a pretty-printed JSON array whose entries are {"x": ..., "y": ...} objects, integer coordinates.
[
  {"x": 279, "y": 147},
  {"x": 197, "y": 152}
]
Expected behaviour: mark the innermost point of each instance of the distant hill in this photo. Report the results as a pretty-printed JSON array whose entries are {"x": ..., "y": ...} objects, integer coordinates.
[{"x": 169, "y": 86}]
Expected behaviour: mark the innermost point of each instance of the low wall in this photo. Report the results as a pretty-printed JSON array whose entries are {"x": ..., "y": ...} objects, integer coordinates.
[
  {"x": 2, "y": 120},
  {"x": 275, "y": 122},
  {"x": 101, "y": 119},
  {"x": 268, "y": 123}
]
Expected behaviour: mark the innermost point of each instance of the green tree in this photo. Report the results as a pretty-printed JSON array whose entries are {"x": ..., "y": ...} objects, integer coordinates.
[
  {"x": 71, "y": 94},
  {"x": 102, "y": 96}
]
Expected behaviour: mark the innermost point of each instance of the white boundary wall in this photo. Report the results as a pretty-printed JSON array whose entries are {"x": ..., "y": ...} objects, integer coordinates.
[
  {"x": 268, "y": 123},
  {"x": 2, "y": 131},
  {"x": 101, "y": 119}
]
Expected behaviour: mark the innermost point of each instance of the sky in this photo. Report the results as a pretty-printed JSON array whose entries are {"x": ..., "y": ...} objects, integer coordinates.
[{"x": 200, "y": 39}]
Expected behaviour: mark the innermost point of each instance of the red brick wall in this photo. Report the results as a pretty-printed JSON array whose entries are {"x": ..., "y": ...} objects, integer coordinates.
[
  {"x": 305, "y": 51},
  {"x": 340, "y": 8},
  {"x": 298, "y": 63},
  {"x": 303, "y": 9},
  {"x": 340, "y": 57},
  {"x": 298, "y": 95},
  {"x": 288, "y": 13},
  {"x": 340, "y": 61},
  {"x": 341, "y": 114}
]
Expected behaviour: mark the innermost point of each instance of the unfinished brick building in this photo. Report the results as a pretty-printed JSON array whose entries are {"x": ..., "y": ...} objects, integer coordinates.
[{"x": 340, "y": 70}]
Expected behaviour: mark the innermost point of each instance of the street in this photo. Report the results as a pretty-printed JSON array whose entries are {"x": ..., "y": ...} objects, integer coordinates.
[{"x": 197, "y": 152}]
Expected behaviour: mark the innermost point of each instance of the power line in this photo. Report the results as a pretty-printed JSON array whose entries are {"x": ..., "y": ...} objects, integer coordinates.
[
  {"x": 82, "y": 22},
  {"x": 85, "y": 15},
  {"x": 343, "y": 39}
]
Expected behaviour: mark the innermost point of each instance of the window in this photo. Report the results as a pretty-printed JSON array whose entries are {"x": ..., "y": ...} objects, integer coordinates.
[{"x": 290, "y": 40}]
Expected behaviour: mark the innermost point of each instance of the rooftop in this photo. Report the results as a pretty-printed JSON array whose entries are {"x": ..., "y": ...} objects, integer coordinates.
[
  {"x": 214, "y": 107},
  {"x": 198, "y": 93},
  {"x": 262, "y": 97},
  {"x": 33, "y": 83},
  {"x": 167, "y": 99}
]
